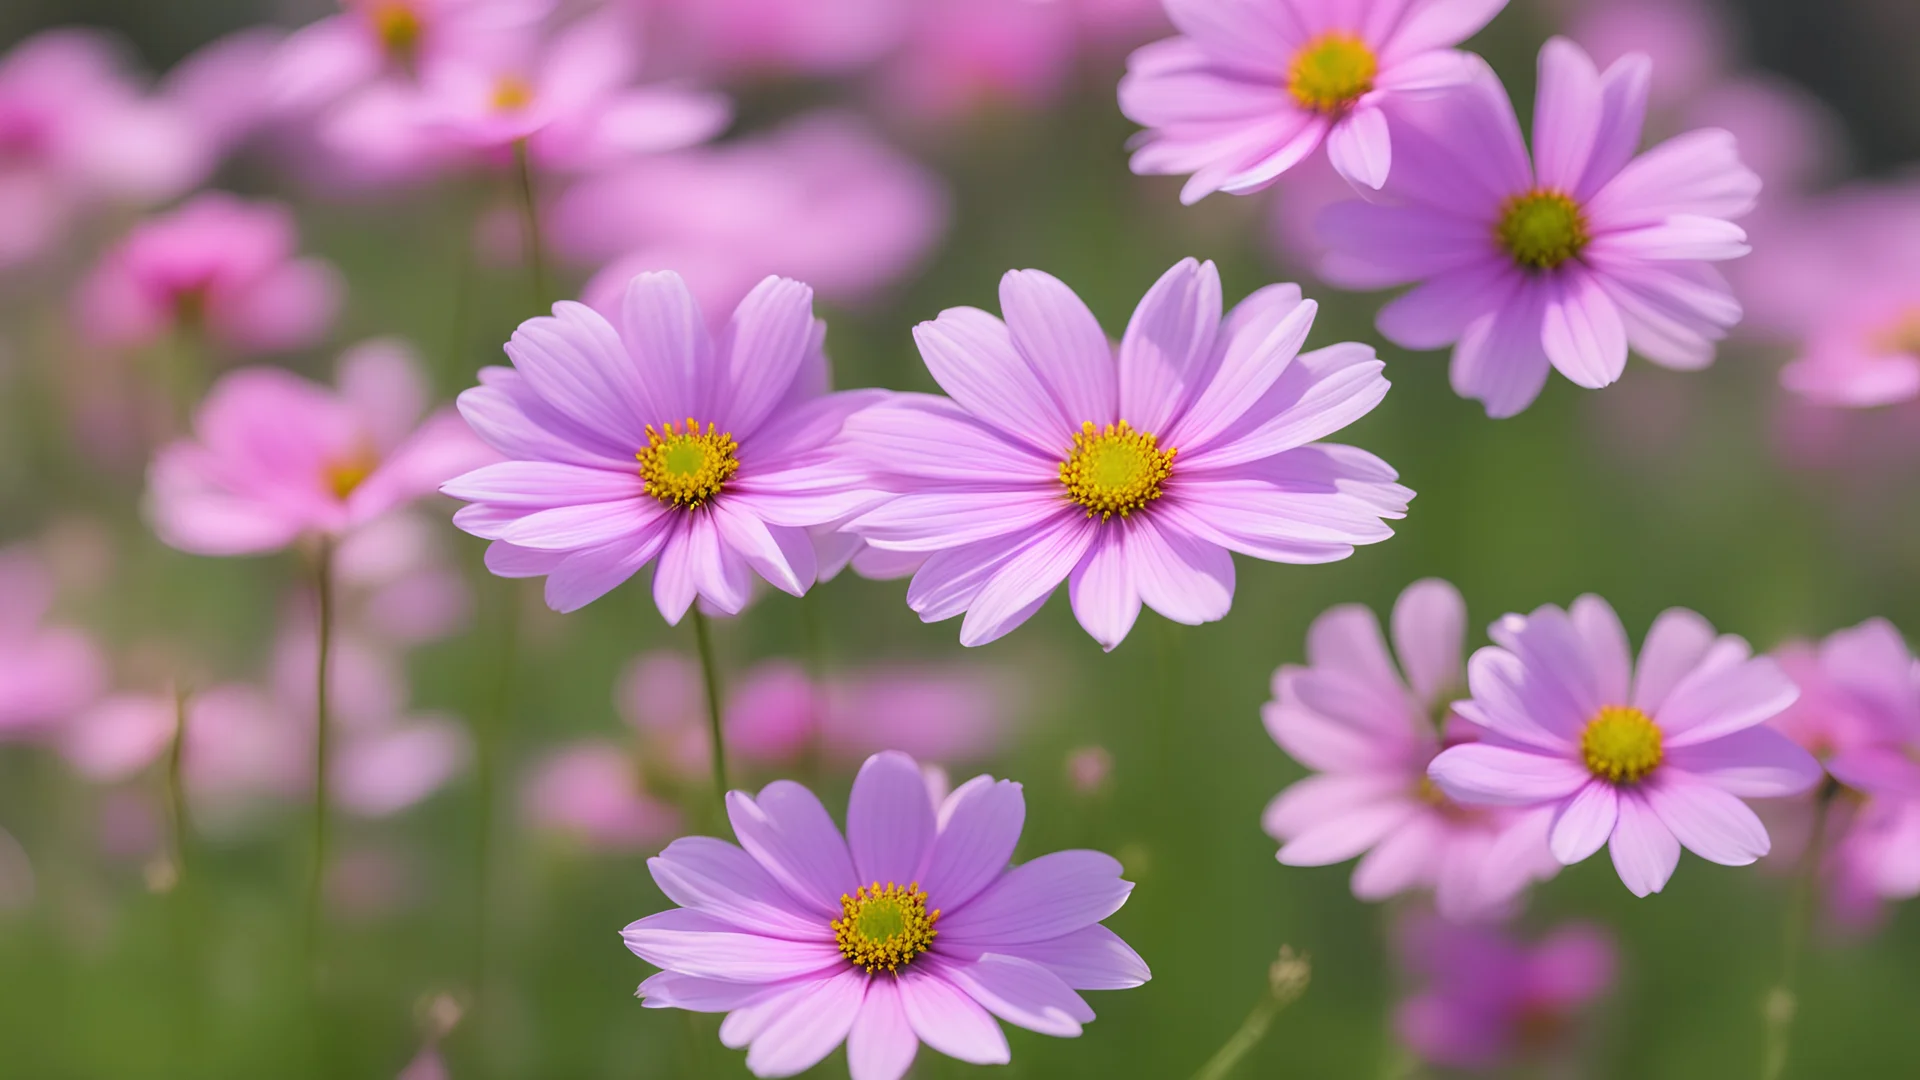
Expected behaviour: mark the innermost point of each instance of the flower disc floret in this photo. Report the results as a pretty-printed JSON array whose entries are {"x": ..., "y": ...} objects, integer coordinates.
[
  {"x": 1332, "y": 71},
  {"x": 345, "y": 475},
  {"x": 511, "y": 93},
  {"x": 1114, "y": 470},
  {"x": 1542, "y": 229},
  {"x": 398, "y": 27},
  {"x": 687, "y": 468},
  {"x": 883, "y": 929},
  {"x": 1621, "y": 744}
]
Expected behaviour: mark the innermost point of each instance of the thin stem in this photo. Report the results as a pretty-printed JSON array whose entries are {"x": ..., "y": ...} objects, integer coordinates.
[
  {"x": 177, "y": 825},
  {"x": 530, "y": 224},
  {"x": 322, "y": 749},
  {"x": 1783, "y": 1001},
  {"x": 710, "y": 671},
  {"x": 488, "y": 723},
  {"x": 1286, "y": 980}
]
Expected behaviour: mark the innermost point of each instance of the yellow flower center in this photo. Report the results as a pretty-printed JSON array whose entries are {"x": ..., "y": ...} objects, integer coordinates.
[
  {"x": 884, "y": 929},
  {"x": 1901, "y": 336},
  {"x": 512, "y": 93},
  {"x": 687, "y": 468},
  {"x": 344, "y": 475},
  {"x": 1331, "y": 71},
  {"x": 1621, "y": 744},
  {"x": 1115, "y": 470},
  {"x": 1541, "y": 229},
  {"x": 398, "y": 27}
]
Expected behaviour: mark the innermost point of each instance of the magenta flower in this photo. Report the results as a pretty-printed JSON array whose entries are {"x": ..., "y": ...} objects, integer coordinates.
[
  {"x": 376, "y": 43},
  {"x": 276, "y": 457},
  {"x": 1131, "y": 475},
  {"x": 1642, "y": 761},
  {"x": 822, "y": 200},
  {"x": 1867, "y": 737},
  {"x": 1369, "y": 734},
  {"x": 656, "y": 440},
  {"x": 1252, "y": 87},
  {"x": 1865, "y": 351},
  {"x": 47, "y": 673},
  {"x": 1487, "y": 1000},
  {"x": 592, "y": 790},
  {"x": 1562, "y": 262},
  {"x": 218, "y": 266},
  {"x": 77, "y": 132},
  {"x": 913, "y": 929}
]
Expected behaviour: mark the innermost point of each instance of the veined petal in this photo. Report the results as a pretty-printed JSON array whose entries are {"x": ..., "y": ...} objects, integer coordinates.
[{"x": 1060, "y": 338}]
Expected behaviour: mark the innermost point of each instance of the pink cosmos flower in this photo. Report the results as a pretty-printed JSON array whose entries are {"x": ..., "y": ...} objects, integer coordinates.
[
  {"x": 777, "y": 37},
  {"x": 1871, "y": 725},
  {"x": 76, "y": 132},
  {"x": 821, "y": 200},
  {"x": 1563, "y": 262},
  {"x": 1487, "y": 1000},
  {"x": 47, "y": 673},
  {"x": 217, "y": 265},
  {"x": 913, "y": 929},
  {"x": 278, "y": 457},
  {"x": 959, "y": 54},
  {"x": 657, "y": 440},
  {"x": 1370, "y": 734},
  {"x": 398, "y": 586},
  {"x": 1643, "y": 761},
  {"x": 222, "y": 87},
  {"x": 1252, "y": 87},
  {"x": 594, "y": 790},
  {"x": 1133, "y": 475}
]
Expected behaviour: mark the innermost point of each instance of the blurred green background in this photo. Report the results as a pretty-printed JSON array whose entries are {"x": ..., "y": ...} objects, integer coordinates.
[{"x": 1666, "y": 490}]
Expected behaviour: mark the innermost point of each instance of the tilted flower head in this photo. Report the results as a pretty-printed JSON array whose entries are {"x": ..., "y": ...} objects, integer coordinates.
[
  {"x": 1560, "y": 262},
  {"x": 1645, "y": 759},
  {"x": 1133, "y": 477},
  {"x": 1369, "y": 734},
  {"x": 218, "y": 266},
  {"x": 912, "y": 929},
  {"x": 1252, "y": 87},
  {"x": 275, "y": 457},
  {"x": 657, "y": 440}
]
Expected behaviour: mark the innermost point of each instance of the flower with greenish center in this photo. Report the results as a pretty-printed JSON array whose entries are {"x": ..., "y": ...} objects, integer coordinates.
[
  {"x": 1621, "y": 744},
  {"x": 511, "y": 93},
  {"x": 1542, "y": 229},
  {"x": 686, "y": 469},
  {"x": 883, "y": 929},
  {"x": 1332, "y": 71},
  {"x": 1115, "y": 470}
]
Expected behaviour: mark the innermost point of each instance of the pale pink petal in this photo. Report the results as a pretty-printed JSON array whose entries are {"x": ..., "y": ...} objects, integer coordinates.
[
  {"x": 1566, "y": 116},
  {"x": 1183, "y": 578},
  {"x": 930, "y": 438},
  {"x": 972, "y": 356},
  {"x": 1606, "y": 645},
  {"x": 1092, "y": 958},
  {"x": 1168, "y": 343},
  {"x": 789, "y": 833},
  {"x": 1501, "y": 360},
  {"x": 667, "y": 351},
  {"x": 1438, "y": 311},
  {"x": 936, "y": 520},
  {"x": 762, "y": 347},
  {"x": 1644, "y": 850},
  {"x": 1101, "y": 587},
  {"x": 1711, "y": 704},
  {"x": 714, "y": 877},
  {"x": 672, "y": 990},
  {"x": 812, "y": 1026},
  {"x": 1696, "y": 173},
  {"x": 1583, "y": 333},
  {"x": 1256, "y": 356},
  {"x": 576, "y": 363},
  {"x": 1403, "y": 860},
  {"x": 882, "y": 1044},
  {"x": 1023, "y": 582},
  {"x": 1675, "y": 645},
  {"x": 696, "y": 944},
  {"x": 1020, "y": 992},
  {"x": 1583, "y": 823},
  {"x": 1500, "y": 775},
  {"x": 1319, "y": 393},
  {"x": 1437, "y": 24},
  {"x": 1052, "y": 895},
  {"x": 1429, "y": 628},
  {"x": 1053, "y": 329},
  {"x": 1758, "y": 763},
  {"x": 1707, "y": 821},
  {"x": 1623, "y": 113},
  {"x": 890, "y": 825},
  {"x": 950, "y": 1021},
  {"x": 1359, "y": 147},
  {"x": 979, "y": 826}
]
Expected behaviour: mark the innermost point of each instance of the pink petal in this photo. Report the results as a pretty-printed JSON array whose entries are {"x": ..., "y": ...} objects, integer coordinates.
[
  {"x": 1438, "y": 24},
  {"x": 788, "y": 832},
  {"x": 543, "y": 485},
  {"x": 1644, "y": 849},
  {"x": 1257, "y": 38},
  {"x": 1567, "y": 115},
  {"x": 1758, "y": 763},
  {"x": 1053, "y": 329},
  {"x": 1101, "y": 587},
  {"x": 1429, "y": 628},
  {"x": 1331, "y": 798},
  {"x": 950, "y": 1021},
  {"x": 1091, "y": 958},
  {"x": 1674, "y": 647},
  {"x": 1403, "y": 860},
  {"x": 1680, "y": 238},
  {"x": 1168, "y": 342},
  {"x": 890, "y": 827},
  {"x": 972, "y": 356},
  {"x": 761, "y": 348},
  {"x": 1623, "y": 113},
  {"x": 1707, "y": 821},
  {"x": 1347, "y": 639},
  {"x": 1050, "y": 896},
  {"x": 949, "y": 581},
  {"x": 1606, "y": 645},
  {"x": 1340, "y": 839},
  {"x": 1376, "y": 245},
  {"x": 1020, "y": 992},
  {"x": 670, "y": 354},
  {"x": 1256, "y": 356},
  {"x": 882, "y": 1044},
  {"x": 696, "y": 944},
  {"x": 509, "y": 416},
  {"x": 583, "y": 525},
  {"x": 1583, "y": 333},
  {"x": 1501, "y": 360},
  {"x": 715, "y": 878},
  {"x": 1359, "y": 147},
  {"x": 942, "y": 520},
  {"x": 811, "y": 1027},
  {"x": 980, "y": 825},
  {"x": 930, "y": 438},
  {"x": 1505, "y": 776},
  {"x": 1711, "y": 704},
  {"x": 1185, "y": 579},
  {"x": 1696, "y": 173},
  {"x": 578, "y": 366},
  {"x": 780, "y": 554},
  {"x": 1319, "y": 393},
  {"x": 1583, "y": 823},
  {"x": 1024, "y": 581}
]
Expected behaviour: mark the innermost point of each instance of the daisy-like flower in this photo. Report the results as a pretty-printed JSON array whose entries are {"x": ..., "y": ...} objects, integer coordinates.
[
  {"x": 1252, "y": 87},
  {"x": 276, "y": 457},
  {"x": 1133, "y": 477},
  {"x": 912, "y": 929},
  {"x": 1560, "y": 262},
  {"x": 1642, "y": 760},
  {"x": 1369, "y": 734},
  {"x": 655, "y": 440}
]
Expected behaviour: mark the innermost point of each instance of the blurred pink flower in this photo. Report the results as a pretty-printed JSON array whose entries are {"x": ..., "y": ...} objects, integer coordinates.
[
  {"x": 76, "y": 131},
  {"x": 1089, "y": 768},
  {"x": 1867, "y": 724},
  {"x": 1487, "y": 1000},
  {"x": 735, "y": 434},
  {"x": 218, "y": 266},
  {"x": 240, "y": 749},
  {"x": 960, "y": 54},
  {"x": 776, "y": 37},
  {"x": 821, "y": 200},
  {"x": 1691, "y": 43},
  {"x": 222, "y": 87},
  {"x": 593, "y": 790},
  {"x": 1370, "y": 732},
  {"x": 1251, "y": 87},
  {"x": 399, "y": 586},
  {"x": 47, "y": 673},
  {"x": 1641, "y": 758},
  {"x": 278, "y": 457}
]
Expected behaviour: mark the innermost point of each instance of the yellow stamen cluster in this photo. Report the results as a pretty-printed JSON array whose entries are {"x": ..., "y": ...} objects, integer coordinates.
[
  {"x": 1331, "y": 72},
  {"x": 1621, "y": 744},
  {"x": 884, "y": 929},
  {"x": 687, "y": 468},
  {"x": 511, "y": 93},
  {"x": 1541, "y": 229},
  {"x": 344, "y": 475},
  {"x": 1114, "y": 470},
  {"x": 398, "y": 27}
]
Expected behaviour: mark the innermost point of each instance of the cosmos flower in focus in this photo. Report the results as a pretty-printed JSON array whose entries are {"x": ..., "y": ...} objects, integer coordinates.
[
  {"x": 1252, "y": 87},
  {"x": 218, "y": 266},
  {"x": 275, "y": 457},
  {"x": 655, "y": 440},
  {"x": 1487, "y": 1000},
  {"x": 1643, "y": 758},
  {"x": 913, "y": 929},
  {"x": 1370, "y": 733},
  {"x": 1560, "y": 262},
  {"x": 1132, "y": 476}
]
